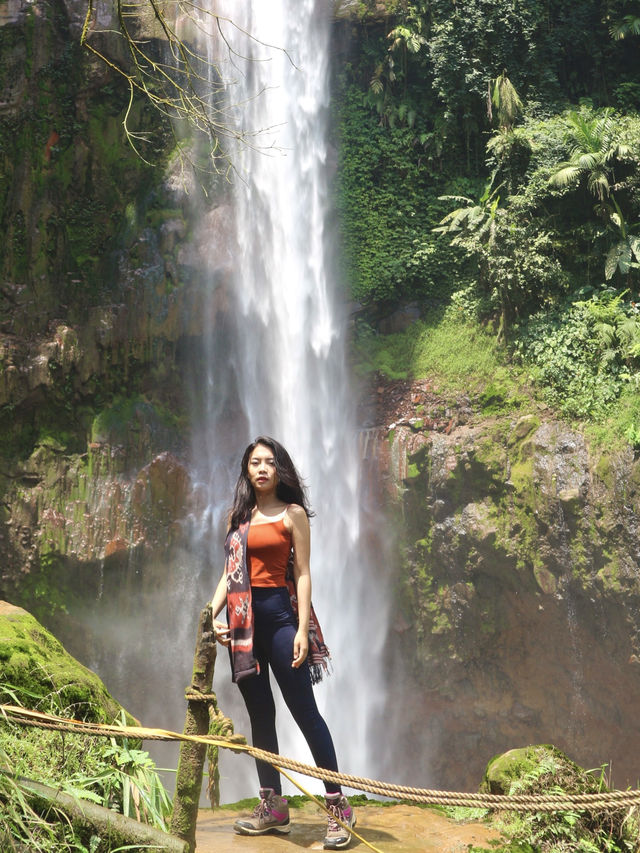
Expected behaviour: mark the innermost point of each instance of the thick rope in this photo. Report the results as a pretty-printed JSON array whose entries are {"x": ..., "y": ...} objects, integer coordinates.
[{"x": 511, "y": 802}]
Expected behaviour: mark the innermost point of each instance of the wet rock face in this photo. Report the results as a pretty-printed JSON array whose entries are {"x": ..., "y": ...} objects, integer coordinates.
[
  {"x": 92, "y": 233},
  {"x": 521, "y": 589},
  {"x": 101, "y": 307}
]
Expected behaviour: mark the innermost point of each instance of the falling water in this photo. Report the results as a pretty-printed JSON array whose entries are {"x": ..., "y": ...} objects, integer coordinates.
[{"x": 276, "y": 359}]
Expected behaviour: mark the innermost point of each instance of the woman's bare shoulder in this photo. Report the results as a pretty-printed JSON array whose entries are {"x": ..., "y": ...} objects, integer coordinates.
[{"x": 296, "y": 514}]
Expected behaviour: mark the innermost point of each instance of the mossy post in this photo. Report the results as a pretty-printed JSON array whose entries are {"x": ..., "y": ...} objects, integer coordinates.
[{"x": 192, "y": 755}]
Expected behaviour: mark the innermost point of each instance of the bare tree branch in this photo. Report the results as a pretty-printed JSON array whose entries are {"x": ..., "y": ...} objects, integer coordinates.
[{"x": 174, "y": 72}]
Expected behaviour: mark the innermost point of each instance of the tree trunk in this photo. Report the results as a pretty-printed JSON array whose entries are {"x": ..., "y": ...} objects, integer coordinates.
[{"x": 192, "y": 755}]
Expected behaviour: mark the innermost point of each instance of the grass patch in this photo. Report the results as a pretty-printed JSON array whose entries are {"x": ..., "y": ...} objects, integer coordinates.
[
  {"x": 462, "y": 814},
  {"x": 298, "y": 801},
  {"x": 112, "y": 773},
  {"x": 456, "y": 353},
  {"x": 460, "y": 355},
  {"x": 621, "y": 425}
]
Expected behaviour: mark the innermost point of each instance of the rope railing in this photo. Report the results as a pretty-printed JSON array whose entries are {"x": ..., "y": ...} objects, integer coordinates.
[{"x": 236, "y": 743}]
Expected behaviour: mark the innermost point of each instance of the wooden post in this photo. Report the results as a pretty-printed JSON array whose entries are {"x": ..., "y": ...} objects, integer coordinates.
[{"x": 192, "y": 755}]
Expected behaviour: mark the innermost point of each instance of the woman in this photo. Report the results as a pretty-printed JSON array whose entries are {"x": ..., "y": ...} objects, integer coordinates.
[{"x": 269, "y": 539}]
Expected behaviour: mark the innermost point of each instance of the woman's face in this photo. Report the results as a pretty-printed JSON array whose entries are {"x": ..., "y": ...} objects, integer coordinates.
[{"x": 261, "y": 470}]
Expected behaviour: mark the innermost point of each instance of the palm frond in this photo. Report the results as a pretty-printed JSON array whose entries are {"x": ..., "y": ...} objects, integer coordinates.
[
  {"x": 585, "y": 160},
  {"x": 566, "y": 175},
  {"x": 598, "y": 185}
]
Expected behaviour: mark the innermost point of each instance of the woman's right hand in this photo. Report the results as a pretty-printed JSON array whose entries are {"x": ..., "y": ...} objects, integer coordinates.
[{"x": 222, "y": 632}]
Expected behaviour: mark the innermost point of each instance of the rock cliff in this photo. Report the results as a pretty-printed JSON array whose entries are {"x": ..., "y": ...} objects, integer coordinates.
[{"x": 519, "y": 587}]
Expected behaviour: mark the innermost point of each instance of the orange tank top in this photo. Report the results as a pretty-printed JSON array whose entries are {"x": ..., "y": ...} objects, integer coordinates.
[{"x": 268, "y": 549}]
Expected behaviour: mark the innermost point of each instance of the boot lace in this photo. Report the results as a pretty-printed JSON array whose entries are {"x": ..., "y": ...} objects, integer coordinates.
[
  {"x": 262, "y": 809},
  {"x": 335, "y": 812}
]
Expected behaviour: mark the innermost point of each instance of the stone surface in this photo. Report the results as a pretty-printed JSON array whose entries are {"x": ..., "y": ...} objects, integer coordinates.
[{"x": 401, "y": 828}]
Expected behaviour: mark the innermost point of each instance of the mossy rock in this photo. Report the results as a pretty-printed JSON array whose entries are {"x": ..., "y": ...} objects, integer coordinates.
[
  {"x": 525, "y": 763},
  {"x": 35, "y": 666}
]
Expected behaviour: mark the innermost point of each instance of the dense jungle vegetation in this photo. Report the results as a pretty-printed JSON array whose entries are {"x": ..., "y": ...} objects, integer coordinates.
[{"x": 489, "y": 173}]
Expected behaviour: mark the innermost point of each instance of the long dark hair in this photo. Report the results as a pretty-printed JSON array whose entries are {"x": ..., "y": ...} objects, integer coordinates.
[{"x": 290, "y": 488}]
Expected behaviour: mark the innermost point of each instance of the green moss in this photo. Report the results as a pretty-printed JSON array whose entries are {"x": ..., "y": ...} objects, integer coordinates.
[
  {"x": 523, "y": 427},
  {"x": 412, "y": 471},
  {"x": 502, "y": 770},
  {"x": 156, "y": 216},
  {"x": 32, "y": 661},
  {"x": 604, "y": 470},
  {"x": 545, "y": 580},
  {"x": 120, "y": 421},
  {"x": 499, "y": 397},
  {"x": 609, "y": 575}
]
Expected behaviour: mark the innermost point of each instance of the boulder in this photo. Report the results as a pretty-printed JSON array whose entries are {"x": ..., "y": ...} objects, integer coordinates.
[
  {"x": 528, "y": 762},
  {"x": 34, "y": 664}
]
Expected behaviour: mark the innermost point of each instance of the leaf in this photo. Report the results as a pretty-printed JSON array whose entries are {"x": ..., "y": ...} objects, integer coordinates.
[
  {"x": 611, "y": 263},
  {"x": 624, "y": 261},
  {"x": 83, "y": 794},
  {"x": 567, "y": 174}
]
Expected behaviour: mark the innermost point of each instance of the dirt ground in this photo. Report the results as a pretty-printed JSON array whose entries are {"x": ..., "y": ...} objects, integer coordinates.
[{"x": 390, "y": 829}]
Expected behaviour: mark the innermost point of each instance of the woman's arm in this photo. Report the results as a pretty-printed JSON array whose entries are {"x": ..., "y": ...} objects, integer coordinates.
[
  {"x": 218, "y": 602},
  {"x": 301, "y": 538}
]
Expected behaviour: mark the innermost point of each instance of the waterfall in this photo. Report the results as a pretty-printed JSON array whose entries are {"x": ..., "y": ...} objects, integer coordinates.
[{"x": 276, "y": 361}]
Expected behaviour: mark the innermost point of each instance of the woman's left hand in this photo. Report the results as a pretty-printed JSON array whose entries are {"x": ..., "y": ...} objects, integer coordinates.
[
  {"x": 222, "y": 633},
  {"x": 300, "y": 648}
]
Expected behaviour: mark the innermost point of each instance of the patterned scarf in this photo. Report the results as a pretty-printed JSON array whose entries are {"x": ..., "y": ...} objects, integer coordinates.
[
  {"x": 319, "y": 656},
  {"x": 240, "y": 613}
]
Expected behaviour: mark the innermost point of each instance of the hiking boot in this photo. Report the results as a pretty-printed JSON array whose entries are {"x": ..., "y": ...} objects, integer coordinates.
[
  {"x": 270, "y": 815},
  {"x": 337, "y": 836}
]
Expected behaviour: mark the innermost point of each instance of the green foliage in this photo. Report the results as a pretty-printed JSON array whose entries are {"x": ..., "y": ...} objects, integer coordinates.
[
  {"x": 595, "y": 152},
  {"x": 506, "y": 100},
  {"x": 608, "y": 831},
  {"x": 514, "y": 263},
  {"x": 584, "y": 353},
  {"x": 626, "y": 26},
  {"x": 129, "y": 778},
  {"x": 455, "y": 50},
  {"x": 567, "y": 363},
  {"x": 545, "y": 206},
  {"x": 452, "y": 350},
  {"x": 21, "y": 825},
  {"x": 463, "y": 814},
  {"x": 113, "y": 773},
  {"x": 386, "y": 204}
]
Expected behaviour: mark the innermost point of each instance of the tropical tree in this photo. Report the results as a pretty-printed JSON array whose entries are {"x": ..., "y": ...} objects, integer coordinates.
[
  {"x": 503, "y": 96},
  {"x": 627, "y": 25},
  {"x": 509, "y": 146},
  {"x": 477, "y": 217},
  {"x": 594, "y": 152}
]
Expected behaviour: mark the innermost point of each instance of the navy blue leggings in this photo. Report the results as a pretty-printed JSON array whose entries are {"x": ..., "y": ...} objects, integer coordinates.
[{"x": 275, "y": 627}]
